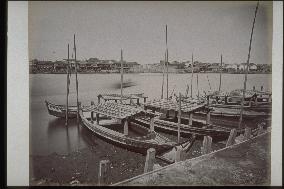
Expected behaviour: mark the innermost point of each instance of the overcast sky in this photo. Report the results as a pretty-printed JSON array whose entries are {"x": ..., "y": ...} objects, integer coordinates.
[{"x": 205, "y": 29}]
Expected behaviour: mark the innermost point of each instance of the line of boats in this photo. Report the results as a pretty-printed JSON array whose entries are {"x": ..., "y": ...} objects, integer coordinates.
[{"x": 118, "y": 119}]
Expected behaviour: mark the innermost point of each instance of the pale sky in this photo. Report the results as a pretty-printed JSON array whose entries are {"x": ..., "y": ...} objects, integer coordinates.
[{"x": 205, "y": 29}]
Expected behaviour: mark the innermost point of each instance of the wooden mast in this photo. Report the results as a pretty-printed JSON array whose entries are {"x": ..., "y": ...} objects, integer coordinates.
[
  {"x": 197, "y": 85},
  {"x": 167, "y": 62},
  {"x": 162, "y": 96},
  {"x": 76, "y": 78},
  {"x": 191, "y": 75},
  {"x": 68, "y": 81},
  {"x": 245, "y": 82},
  {"x": 121, "y": 74},
  {"x": 220, "y": 74}
]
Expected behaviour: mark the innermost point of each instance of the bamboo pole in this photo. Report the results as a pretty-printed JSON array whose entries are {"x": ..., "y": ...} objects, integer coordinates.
[
  {"x": 75, "y": 52},
  {"x": 220, "y": 74},
  {"x": 68, "y": 81},
  {"x": 191, "y": 75},
  {"x": 245, "y": 82},
  {"x": 179, "y": 117}
]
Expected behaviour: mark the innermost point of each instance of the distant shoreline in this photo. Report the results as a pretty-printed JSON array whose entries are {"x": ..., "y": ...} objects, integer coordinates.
[{"x": 149, "y": 72}]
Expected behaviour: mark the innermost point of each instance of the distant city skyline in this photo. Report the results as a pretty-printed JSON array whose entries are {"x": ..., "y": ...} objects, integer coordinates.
[{"x": 206, "y": 29}]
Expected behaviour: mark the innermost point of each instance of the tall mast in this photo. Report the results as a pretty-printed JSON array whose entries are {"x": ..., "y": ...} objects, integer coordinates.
[
  {"x": 197, "y": 85},
  {"x": 68, "y": 81},
  {"x": 167, "y": 61},
  {"x": 162, "y": 96},
  {"x": 121, "y": 74},
  {"x": 191, "y": 75},
  {"x": 220, "y": 74},
  {"x": 247, "y": 66},
  {"x": 75, "y": 59}
]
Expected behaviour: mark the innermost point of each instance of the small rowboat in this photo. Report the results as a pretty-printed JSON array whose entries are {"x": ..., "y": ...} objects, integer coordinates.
[
  {"x": 60, "y": 110},
  {"x": 109, "y": 126}
]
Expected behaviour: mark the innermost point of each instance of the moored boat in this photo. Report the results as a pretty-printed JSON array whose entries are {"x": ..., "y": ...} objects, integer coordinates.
[
  {"x": 112, "y": 117},
  {"x": 60, "y": 110}
]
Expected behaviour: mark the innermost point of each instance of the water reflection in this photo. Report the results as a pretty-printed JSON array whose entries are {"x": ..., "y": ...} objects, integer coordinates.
[{"x": 66, "y": 138}]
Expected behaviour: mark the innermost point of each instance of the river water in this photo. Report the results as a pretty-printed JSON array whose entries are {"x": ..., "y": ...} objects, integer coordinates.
[{"x": 48, "y": 134}]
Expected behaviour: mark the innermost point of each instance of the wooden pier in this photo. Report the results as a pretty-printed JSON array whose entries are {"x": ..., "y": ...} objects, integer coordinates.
[{"x": 245, "y": 163}]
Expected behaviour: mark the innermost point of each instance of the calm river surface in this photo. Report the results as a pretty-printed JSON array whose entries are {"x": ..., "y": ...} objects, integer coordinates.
[{"x": 48, "y": 134}]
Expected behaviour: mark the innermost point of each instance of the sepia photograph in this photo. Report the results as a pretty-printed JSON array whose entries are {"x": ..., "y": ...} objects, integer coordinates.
[{"x": 150, "y": 93}]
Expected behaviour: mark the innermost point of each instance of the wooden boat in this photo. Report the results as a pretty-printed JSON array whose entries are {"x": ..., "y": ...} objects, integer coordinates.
[
  {"x": 169, "y": 125},
  {"x": 60, "y": 110},
  {"x": 115, "y": 116}
]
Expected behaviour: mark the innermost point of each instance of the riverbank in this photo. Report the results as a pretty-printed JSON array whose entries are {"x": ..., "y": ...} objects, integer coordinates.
[{"x": 247, "y": 163}]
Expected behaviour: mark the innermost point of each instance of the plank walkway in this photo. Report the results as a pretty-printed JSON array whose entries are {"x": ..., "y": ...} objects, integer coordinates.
[{"x": 247, "y": 163}]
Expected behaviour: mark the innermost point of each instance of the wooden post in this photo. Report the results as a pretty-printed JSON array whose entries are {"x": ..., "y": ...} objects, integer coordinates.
[
  {"x": 167, "y": 114},
  {"x": 103, "y": 172},
  {"x": 247, "y": 133},
  {"x": 144, "y": 99},
  {"x": 255, "y": 101},
  {"x": 150, "y": 158},
  {"x": 98, "y": 118},
  {"x": 253, "y": 88},
  {"x": 92, "y": 112},
  {"x": 178, "y": 154},
  {"x": 208, "y": 118},
  {"x": 138, "y": 103},
  {"x": 179, "y": 117},
  {"x": 152, "y": 125},
  {"x": 260, "y": 129},
  {"x": 115, "y": 100},
  {"x": 206, "y": 145},
  {"x": 231, "y": 139},
  {"x": 125, "y": 127},
  {"x": 99, "y": 99},
  {"x": 190, "y": 119}
]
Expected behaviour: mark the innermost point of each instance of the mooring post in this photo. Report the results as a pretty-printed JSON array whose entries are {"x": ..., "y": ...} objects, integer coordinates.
[
  {"x": 103, "y": 172},
  {"x": 260, "y": 129},
  {"x": 150, "y": 158},
  {"x": 253, "y": 88},
  {"x": 144, "y": 99},
  {"x": 208, "y": 118},
  {"x": 92, "y": 112},
  {"x": 167, "y": 114},
  {"x": 115, "y": 101},
  {"x": 98, "y": 118},
  {"x": 125, "y": 128},
  {"x": 190, "y": 119},
  {"x": 206, "y": 145},
  {"x": 255, "y": 101},
  {"x": 231, "y": 139},
  {"x": 138, "y": 103},
  {"x": 247, "y": 133},
  {"x": 152, "y": 125},
  {"x": 178, "y": 154}
]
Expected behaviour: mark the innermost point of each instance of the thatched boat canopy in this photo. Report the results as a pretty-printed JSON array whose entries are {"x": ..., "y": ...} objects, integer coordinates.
[
  {"x": 186, "y": 107},
  {"x": 114, "y": 110}
]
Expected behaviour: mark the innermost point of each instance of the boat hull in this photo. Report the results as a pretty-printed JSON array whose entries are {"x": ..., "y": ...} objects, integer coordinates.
[
  {"x": 60, "y": 111},
  {"x": 131, "y": 144}
]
